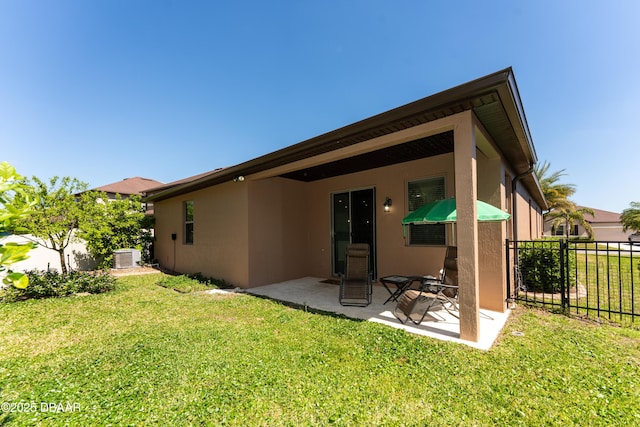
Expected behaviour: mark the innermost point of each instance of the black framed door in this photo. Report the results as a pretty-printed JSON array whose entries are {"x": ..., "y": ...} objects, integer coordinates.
[{"x": 353, "y": 221}]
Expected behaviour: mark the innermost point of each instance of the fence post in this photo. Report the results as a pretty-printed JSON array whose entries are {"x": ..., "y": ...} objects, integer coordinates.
[
  {"x": 510, "y": 296},
  {"x": 564, "y": 273}
]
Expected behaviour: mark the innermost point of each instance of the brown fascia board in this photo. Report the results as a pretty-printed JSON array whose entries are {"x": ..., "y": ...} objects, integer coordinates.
[
  {"x": 517, "y": 117},
  {"x": 187, "y": 180},
  {"x": 520, "y": 125},
  {"x": 440, "y": 104},
  {"x": 512, "y": 103}
]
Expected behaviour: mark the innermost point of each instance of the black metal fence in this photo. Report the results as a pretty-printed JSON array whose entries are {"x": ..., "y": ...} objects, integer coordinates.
[{"x": 595, "y": 279}]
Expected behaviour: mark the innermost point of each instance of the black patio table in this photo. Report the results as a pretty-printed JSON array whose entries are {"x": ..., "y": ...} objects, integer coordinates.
[{"x": 401, "y": 283}]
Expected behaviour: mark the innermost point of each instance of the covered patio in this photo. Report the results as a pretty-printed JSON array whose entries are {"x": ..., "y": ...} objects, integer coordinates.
[{"x": 317, "y": 294}]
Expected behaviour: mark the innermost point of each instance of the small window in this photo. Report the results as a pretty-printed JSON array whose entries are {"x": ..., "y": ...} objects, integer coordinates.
[
  {"x": 420, "y": 193},
  {"x": 188, "y": 222}
]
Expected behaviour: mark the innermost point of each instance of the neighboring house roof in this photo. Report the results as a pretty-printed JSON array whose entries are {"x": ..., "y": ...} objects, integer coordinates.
[
  {"x": 494, "y": 99},
  {"x": 602, "y": 216},
  {"x": 129, "y": 186}
]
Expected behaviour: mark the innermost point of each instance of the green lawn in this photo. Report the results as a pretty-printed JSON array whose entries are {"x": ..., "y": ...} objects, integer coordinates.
[
  {"x": 609, "y": 285},
  {"x": 612, "y": 282},
  {"x": 148, "y": 355}
]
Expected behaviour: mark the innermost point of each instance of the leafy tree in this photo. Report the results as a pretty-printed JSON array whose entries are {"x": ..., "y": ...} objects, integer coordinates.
[
  {"x": 67, "y": 212},
  {"x": 112, "y": 225},
  {"x": 14, "y": 205},
  {"x": 630, "y": 217},
  {"x": 569, "y": 214},
  {"x": 556, "y": 193},
  {"x": 56, "y": 214}
]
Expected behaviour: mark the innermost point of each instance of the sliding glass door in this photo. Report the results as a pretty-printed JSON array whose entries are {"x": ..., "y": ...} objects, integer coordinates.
[{"x": 353, "y": 221}]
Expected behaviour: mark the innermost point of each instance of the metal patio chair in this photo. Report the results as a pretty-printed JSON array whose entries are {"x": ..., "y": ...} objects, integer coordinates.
[
  {"x": 435, "y": 293},
  {"x": 356, "y": 283}
]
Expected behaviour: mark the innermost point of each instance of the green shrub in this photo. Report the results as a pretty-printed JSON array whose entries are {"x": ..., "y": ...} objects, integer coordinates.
[
  {"x": 98, "y": 283},
  {"x": 540, "y": 266},
  {"x": 48, "y": 284}
]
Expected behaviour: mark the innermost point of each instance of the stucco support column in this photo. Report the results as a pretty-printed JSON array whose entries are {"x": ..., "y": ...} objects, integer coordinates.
[
  {"x": 491, "y": 235},
  {"x": 467, "y": 226}
]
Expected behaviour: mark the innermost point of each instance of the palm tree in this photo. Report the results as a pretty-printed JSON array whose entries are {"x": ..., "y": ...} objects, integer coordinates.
[
  {"x": 557, "y": 194},
  {"x": 630, "y": 217},
  {"x": 568, "y": 214}
]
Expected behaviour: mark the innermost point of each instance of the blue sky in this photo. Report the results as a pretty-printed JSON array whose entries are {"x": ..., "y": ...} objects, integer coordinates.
[{"x": 102, "y": 90}]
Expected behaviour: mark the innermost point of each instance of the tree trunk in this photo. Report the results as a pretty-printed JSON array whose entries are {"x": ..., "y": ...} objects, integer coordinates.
[{"x": 63, "y": 265}]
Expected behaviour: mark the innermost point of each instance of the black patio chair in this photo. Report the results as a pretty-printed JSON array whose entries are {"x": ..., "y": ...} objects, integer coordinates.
[
  {"x": 356, "y": 283},
  {"x": 435, "y": 293}
]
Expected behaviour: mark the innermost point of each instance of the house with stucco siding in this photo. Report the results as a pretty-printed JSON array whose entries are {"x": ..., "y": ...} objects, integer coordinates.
[{"x": 291, "y": 213}]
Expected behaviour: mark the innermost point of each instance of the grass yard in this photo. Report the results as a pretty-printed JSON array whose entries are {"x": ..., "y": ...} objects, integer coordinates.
[{"x": 148, "y": 355}]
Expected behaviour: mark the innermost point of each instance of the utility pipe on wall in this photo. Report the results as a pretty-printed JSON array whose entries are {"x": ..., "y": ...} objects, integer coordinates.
[{"x": 514, "y": 219}]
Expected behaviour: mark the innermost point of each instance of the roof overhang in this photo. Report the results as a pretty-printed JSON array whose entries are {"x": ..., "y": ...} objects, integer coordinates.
[{"x": 494, "y": 99}]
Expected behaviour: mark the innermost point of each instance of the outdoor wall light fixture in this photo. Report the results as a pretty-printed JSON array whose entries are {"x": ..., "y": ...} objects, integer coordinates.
[
  {"x": 239, "y": 178},
  {"x": 387, "y": 205}
]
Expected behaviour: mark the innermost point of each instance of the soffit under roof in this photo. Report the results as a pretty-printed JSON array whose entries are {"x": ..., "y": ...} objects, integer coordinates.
[{"x": 413, "y": 150}]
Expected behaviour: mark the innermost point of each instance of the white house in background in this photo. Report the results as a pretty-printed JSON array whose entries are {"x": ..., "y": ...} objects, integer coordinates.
[
  {"x": 42, "y": 258},
  {"x": 76, "y": 253},
  {"x": 606, "y": 226}
]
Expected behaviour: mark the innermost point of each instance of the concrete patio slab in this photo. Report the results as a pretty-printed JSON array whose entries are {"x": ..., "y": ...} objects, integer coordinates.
[{"x": 313, "y": 293}]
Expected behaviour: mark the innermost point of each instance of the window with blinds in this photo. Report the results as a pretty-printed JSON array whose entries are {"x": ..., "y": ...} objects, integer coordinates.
[{"x": 422, "y": 192}]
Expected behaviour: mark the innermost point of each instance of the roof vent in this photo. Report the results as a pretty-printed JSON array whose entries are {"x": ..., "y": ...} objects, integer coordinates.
[{"x": 126, "y": 258}]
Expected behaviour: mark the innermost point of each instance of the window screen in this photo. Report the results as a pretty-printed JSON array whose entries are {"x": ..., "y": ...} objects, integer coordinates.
[{"x": 420, "y": 193}]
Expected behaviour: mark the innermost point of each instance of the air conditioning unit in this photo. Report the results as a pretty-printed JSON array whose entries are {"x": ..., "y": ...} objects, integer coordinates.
[{"x": 126, "y": 258}]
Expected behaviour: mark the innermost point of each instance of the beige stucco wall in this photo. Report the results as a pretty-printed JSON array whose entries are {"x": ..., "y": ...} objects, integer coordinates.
[
  {"x": 220, "y": 247},
  {"x": 491, "y": 236},
  {"x": 529, "y": 216},
  {"x": 278, "y": 226}
]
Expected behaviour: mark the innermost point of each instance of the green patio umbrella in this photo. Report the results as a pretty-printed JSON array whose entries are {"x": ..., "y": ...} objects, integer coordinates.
[{"x": 444, "y": 211}]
